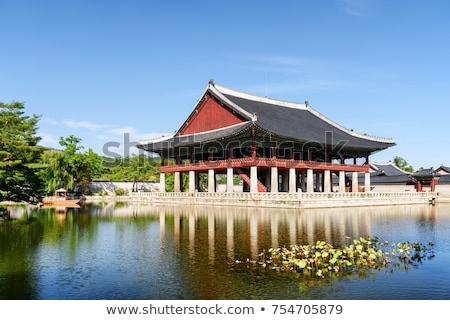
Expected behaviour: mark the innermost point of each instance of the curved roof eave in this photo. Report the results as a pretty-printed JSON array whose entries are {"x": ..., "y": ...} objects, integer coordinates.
[{"x": 269, "y": 113}]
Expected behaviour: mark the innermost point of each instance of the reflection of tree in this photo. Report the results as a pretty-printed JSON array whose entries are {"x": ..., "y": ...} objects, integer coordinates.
[{"x": 18, "y": 239}]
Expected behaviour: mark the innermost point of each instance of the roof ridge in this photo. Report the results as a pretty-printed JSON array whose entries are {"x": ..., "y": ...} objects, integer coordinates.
[
  {"x": 243, "y": 124},
  {"x": 213, "y": 88},
  {"x": 349, "y": 131},
  {"x": 295, "y": 105},
  {"x": 254, "y": 97}
]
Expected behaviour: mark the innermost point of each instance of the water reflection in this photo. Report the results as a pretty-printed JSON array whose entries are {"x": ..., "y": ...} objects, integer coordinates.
[
  {"x": 130, "y": 251},
  {"x": 266, "y": 227}
]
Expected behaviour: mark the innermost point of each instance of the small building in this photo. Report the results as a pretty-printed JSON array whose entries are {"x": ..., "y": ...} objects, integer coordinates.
[
  {"x": 443, "y": 170},
  {"x": 387, "y": 177},
  {"x": 426, "y": 179},
  {"x": 273, "y": 145}
]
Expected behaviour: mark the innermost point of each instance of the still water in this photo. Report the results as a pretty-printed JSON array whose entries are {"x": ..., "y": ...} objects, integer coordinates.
[{"x": 125, "y": 251}]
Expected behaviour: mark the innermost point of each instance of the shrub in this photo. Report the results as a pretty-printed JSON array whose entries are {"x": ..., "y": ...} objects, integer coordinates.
[{"x": 120, "y": 192}]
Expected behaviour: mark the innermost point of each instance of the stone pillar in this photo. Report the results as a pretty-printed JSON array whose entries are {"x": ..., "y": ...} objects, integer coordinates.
[
  {"x": 253, "y": 179},
  {"x": 341, "y": 181},
  {"x": 292, "y": 181},
  {"x": 273, "y": 179},
  {"x": 211, "y": 181},
  {"x": 177, "y": 182},
  {"x": 192, "y": 181},
  {"x": 327, "y": 181},
  {"x": 230, "y": 182},
  {"x": 310, "y": 181},
  {"x": 355, "y": 184},
  {"x": 367, "y": 182},
  {"x": 162, "y": 182}
]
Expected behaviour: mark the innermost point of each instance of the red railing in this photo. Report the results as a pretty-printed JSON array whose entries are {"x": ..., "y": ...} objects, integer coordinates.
[{"x": 263, "y": 162}]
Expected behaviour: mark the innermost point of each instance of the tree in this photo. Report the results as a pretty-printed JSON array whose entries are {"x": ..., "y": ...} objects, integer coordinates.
[
  {"x": 56, "y": 172},
  {"x": 402, "y": 164},
  {"x": 136, "y": 168},
  {"x": 87, "y": 166},
  {"x": 69, "y": 166},
  {"x": 19, "y": 155}
]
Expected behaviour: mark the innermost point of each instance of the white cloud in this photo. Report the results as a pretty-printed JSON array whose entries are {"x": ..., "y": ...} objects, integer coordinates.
[
  {"x": 83, "y": 124},
  {"x": 49, "y": 140}
]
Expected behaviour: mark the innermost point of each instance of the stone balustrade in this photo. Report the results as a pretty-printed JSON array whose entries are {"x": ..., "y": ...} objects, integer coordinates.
[{"x": 291, "y": 200}]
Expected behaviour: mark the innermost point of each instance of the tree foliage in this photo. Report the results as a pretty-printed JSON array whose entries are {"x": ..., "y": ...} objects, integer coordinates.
[
  {"x": 403, "y": 164},
  {"x": 71, "y": 165},
  {"x": 56, "y": 172},
  {"x": 135, "y": 168},
  {"x": 19, "y": 154}
]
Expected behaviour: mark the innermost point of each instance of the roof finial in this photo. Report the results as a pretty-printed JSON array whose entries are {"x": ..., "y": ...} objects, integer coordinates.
[{"x": 211, "y": 82}]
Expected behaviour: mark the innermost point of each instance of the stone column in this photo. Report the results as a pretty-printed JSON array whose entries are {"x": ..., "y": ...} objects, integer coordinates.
[
  {"x": 292, "y": 181},
  {"x": 273, "y": 179},
  {"x": 211, "y": 180},
  {"x": 342, "y": 181},
  {"x": 367, "y": 182},
  {"x": 327, "y": 181},
  {"x": 230, "y": 182},
  {"x": 162, "y": 182},
  {"x": 253, "y": 179},
  {"x": 177, "y": 182},
  {"x": 310, "y": 181},
  {"x": 355, "y": 184},
  {"x": 192, "y": 181}
]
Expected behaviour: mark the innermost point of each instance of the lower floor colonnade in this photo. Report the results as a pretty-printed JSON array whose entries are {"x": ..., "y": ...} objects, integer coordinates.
[{"x": 324, "y": 178}]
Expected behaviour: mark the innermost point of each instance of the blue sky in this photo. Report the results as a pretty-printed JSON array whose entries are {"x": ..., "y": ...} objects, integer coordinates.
[{"x": 115, "y": 72}]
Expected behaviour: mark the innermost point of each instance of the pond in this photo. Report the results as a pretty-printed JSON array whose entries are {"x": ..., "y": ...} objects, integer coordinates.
[{"x": 126, "y": 251}]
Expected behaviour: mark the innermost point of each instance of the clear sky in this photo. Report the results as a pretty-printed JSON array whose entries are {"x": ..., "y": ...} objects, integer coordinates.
[{"x": 115, "y": 72}]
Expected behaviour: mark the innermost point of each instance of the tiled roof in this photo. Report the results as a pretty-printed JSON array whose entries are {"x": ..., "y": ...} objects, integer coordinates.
[
  {"x": 386, "y": 169},
  {"x": 286, "y": 120}
]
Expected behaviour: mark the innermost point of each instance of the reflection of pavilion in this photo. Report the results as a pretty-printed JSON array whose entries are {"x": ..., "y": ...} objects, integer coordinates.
[
  {"x": 272, "y": 145},
  {"x": 257, "y": 229}
]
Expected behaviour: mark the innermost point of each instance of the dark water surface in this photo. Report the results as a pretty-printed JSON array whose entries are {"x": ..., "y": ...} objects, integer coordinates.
[{"x": 124, "y": 251}]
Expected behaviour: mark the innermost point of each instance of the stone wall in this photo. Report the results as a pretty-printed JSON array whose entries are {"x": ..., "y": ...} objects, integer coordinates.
[{"x": 110, "y": 186}]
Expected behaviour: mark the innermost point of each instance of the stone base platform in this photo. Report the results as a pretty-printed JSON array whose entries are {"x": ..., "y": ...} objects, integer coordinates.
[{"x": 278, "y": 200}]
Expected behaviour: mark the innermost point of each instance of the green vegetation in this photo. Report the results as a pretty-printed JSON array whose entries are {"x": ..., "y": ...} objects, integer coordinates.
[
  {"x": 403, "y": 164},
  {"x": 28, "y": 172},
  {"x": 135, "y": 168},
  {"x": 324, "y": 259},
  {"x": 63, "y": 168},
  {"x": 19, "y": 155}
]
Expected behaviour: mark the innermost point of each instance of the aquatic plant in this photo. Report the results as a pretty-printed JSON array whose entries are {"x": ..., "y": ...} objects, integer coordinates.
[{"x": 359, "y": 254}]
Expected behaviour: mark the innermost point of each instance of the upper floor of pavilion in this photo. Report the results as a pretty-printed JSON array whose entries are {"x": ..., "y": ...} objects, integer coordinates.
[{"x": 226, "y": 123}]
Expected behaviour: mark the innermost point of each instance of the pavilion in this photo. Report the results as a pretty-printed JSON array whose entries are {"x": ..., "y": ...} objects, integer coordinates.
[{"x": 273, "y": 145}]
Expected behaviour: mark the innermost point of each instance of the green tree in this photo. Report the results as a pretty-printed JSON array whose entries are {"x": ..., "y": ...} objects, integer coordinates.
[
  {"x": 402, "y": 164},
  {"x": 70, "y": 166},
  {"x": 135, "y": 168},
  {"x": 56, "y": 172},
  {"x": 86, "y": 167},
  {"x": 19, "y": 155}
]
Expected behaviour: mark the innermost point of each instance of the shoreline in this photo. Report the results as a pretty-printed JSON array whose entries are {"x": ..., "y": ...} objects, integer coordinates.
[
  {"x": 269, "y": 200},
  {"x": 278, "y": 200}
]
